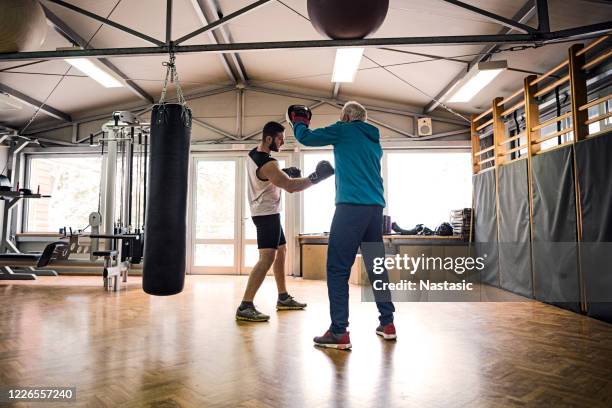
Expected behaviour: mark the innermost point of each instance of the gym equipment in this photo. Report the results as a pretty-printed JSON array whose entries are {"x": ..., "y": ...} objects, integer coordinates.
[
  {"x": 164, "y": 263},
  {"x": 119, "y": 137},
  {"x": 24, "y": 26},
  {"x": 298, "y": 114},
  {"x": 323, "y": 170},
  {"x": 7, "y": 248},
  {"x": 118, "y": 239},
  {"x": 116, "y": 262},
  {"x": 293, "y": 172},
  {"x": 166, "y": 216},
  {"x": 164, "y": 259},
  {"x": 347, "y": 19},
  {"x": 54, "y": 250},
  {"x": 461, "y": 220},
  {"x": 5, "y": 183}
]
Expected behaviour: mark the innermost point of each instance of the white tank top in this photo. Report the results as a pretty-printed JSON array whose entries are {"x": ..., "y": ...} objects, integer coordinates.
[{"x": 264, "y": 197}]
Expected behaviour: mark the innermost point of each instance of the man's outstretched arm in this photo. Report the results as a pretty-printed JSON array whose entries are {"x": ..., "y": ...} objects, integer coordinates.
[{"x": 279, "y": 178}]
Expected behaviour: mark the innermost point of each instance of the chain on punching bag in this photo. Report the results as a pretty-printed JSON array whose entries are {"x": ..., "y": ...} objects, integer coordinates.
[{"x": 165, "y": 219}]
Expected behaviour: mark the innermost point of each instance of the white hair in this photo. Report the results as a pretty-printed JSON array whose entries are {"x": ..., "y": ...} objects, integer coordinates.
[{"x": 355, "y": 111}]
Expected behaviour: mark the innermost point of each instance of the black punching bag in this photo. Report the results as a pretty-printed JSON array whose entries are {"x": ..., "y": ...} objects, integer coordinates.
[
  {"x": 347, "y": 19},
  {"x": 166, "y": 221}
]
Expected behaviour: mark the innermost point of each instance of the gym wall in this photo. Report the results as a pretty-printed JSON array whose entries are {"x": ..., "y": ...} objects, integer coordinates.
[
  {"x": 485, "y": 226},
  {"x": 594, "y": 170},
  {"x": 218, "y": 115},
  {"x": 514, "y": 231},
  {"x": 555, "y": 249},
  {"x": 549, "y": 163}
]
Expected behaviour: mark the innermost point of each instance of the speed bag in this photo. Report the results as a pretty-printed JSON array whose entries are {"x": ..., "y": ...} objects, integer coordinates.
[{"x": 166, "y": 221}]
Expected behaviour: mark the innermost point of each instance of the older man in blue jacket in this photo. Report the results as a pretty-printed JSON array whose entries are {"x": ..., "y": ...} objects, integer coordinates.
[{"x": 358, "y": 216}]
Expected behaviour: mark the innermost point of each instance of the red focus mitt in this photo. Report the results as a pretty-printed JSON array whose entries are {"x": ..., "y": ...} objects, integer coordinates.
[{"x": 298, "y": 114}]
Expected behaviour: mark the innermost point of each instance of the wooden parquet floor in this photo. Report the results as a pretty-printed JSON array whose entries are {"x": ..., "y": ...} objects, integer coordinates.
[{"x": 129, "y": 349}]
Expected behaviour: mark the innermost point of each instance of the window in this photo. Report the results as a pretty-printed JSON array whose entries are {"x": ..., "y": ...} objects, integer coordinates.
[
  {"x": 319, "y": 201},
  {"x": 74, "y": 185},
  {"x": 598, "y": 110},
  {"x": 424, "y": 187}
]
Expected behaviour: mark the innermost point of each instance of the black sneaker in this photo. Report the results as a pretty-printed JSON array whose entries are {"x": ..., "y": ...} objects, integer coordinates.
[
  {"x": 289, "y": 304},
  {"x": 250, "y": 314},
  {"x": 331, "y": 340}
]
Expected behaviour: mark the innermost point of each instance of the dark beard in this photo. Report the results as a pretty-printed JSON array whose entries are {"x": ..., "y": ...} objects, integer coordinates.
[{"x": 273, "y": 146}]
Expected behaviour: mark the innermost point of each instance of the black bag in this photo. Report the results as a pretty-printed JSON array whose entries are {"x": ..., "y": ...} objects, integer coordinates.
[
  {"x": 444, "y": 229},
  {"x": 166, "y": 219}
]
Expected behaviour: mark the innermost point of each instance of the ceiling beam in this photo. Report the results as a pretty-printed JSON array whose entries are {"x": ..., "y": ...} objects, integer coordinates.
[
  {"x": 340, "y": 103},
  {"x": 214, "y": 129},
  {"x": 224, "y": 36},
  {"x": 199, "y": 9},
  {"x": 543, "y": 18},
  {"x": 234, "y": 56},
  {"x": 510, "y": 23},
  {"x": 108, "y": 22},
  {"x": 432, "y": 57},
  {"x": 140, "y": 109},
  {"x": 207, "y": 12},
  {"x": 336, "y": 90},
  {"x": 168, "y": 22},
  {"x": 69, "y": 34},
  {"x": 36, "y": 104},
  {"x": 524, "y": 14},
  {"x": 223, "y": 21},
  {"x": 605, "y": 2},
  {"x": 589, "y": 31}
]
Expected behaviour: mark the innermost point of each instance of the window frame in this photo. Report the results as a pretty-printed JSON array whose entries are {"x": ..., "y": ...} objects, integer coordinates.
[
  {"x": 25, "y": 208},
  {"x": 384, "y": 169}
]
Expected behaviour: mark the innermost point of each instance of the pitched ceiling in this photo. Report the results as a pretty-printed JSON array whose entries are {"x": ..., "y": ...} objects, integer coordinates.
[{"x": 413, "y": 83}]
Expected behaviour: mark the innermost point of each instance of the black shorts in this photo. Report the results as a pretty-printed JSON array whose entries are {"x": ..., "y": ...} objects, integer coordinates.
[{"x": 269, "y": 231}]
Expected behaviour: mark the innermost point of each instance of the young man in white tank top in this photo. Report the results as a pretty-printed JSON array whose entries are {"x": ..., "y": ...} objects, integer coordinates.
[{"x": 265, "y": 182}]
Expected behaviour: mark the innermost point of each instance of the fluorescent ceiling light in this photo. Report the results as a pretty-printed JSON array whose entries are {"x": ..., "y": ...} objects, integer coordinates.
[
  {"x": 93, "y": 71},
  {"x": 478, "y": 79},
  {"x": 346, "y": 64}
]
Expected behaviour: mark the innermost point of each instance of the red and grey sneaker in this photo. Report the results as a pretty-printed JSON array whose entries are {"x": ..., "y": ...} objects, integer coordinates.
[
  {"x": 387, "y": 332},
  {"x": 331, "y": 340}
]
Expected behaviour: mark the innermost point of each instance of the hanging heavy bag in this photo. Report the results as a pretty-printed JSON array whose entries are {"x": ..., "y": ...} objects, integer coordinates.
[{"x": 166, "y": 221}]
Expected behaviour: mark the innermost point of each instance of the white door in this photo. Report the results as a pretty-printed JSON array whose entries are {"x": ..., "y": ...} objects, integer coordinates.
[
  {"x": 215, "y": 206},
  {"x": 223, "y": 237}
]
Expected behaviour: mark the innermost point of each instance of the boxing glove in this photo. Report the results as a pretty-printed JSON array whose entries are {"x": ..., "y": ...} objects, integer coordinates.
[
  {"x": 298, "y": 114},
  {"x": 293, "y": 172},
  {"x": 323, "y": 170}
]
